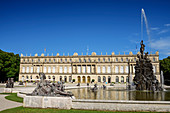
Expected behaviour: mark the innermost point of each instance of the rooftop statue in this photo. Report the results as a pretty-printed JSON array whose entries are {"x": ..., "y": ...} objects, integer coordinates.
[
  {"x": 45, "y": 88},
  {"x": 144, "y": 77}
]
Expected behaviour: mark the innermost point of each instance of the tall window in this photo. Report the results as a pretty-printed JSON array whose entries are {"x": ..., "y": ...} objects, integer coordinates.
[
  {"x": 49, "y": 60},
  {"x": 104, "y": 79},
  {"x": 61, "y": 69},
  {"x": 126, "y": 59},
  {"x": 53, "y": 69},
  {"x": 154, "y": 69},
  {"x": 122, "y": 79},
  {"x": 38, "y": 69},
  {"x": 49, "y": 69},
  {"x": 65, "y": 60},
  {"x": 23, "y": 69},
  {"x": 117, "y": 79},
  {"x": 53, "y": 60},
  {"x": 109, "y": 69},
  {"x": 127, "y": 69},
  {"x": 65, "y": 69},
  {"x": 133, "y": 69},
  {"x": 27, "y": 69},
  {"x": 89, "y": 60},
  {"x": 121, "y": 69},
  {"x": 31, "y": 69},
  {"x": 104, "y": 69},
  {"x": 79, "y": 69},
  {"x": 153, "y": 59},
  {"x": 45, "y": 69},
  {"x": 116, "y": 69},
  {"x": 70, "y": 69},
  {"x": 88, "y": 69},
  {"x": 116, "y": 59},
  {"x": 98, "y": 69},
  {"x": 84, "y": 69},
  {"x": 99, "y": 79}
]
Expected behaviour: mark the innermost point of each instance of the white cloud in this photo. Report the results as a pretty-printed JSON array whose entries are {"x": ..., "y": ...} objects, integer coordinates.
[
  {"x": 167, "y": 25},
  {"x": 154, "y": 28},
  {"x": 161, "y": 44},
  {"x": 163, "y": 31}
]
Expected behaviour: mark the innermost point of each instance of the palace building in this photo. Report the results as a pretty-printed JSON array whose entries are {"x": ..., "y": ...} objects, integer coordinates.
[{"x": 83, "y": 68}]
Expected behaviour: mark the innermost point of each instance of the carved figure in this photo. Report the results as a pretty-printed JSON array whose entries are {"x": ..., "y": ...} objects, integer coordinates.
[
  {"x": 10, "y": 83},
  {"x": 45, "y": 88},
  {"x": 144, "y": 78}
]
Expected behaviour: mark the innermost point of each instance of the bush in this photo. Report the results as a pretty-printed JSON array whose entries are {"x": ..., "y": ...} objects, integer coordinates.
[
  {"x": 92, "y": 80},
  {"x": 74, "y": 80}
]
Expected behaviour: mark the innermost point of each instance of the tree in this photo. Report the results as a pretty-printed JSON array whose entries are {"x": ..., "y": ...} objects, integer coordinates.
[
  {"x": 165, "y": 67},
  {"x": 9, "y": 65}
]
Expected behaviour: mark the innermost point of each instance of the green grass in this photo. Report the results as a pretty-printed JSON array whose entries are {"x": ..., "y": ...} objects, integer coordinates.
[
  {"x": 36, "y": 110},
  {"x": 14, "y": 97}
]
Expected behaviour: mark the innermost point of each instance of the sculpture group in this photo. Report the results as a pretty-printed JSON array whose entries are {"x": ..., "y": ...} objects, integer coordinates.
[
  {"x": 45, "y": 88},
  {"x": 144, "y": 77}
]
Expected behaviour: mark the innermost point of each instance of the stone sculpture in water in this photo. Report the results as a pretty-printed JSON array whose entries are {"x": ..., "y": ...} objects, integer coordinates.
[
  {"x": 45, "y": 88},
  {"x": 144, "y": 77}
]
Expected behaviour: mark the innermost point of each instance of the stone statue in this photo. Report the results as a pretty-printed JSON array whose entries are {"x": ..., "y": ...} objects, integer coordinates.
[
  {"x": 45, "y": 88},
  {"x": 94, "y": 88},
  {"x": 10, "y": 83},
  {"x": 144, "y": 78}
]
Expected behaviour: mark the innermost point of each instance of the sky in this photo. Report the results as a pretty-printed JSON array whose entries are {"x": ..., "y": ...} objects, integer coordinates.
[{"x": 68, "y": 26}]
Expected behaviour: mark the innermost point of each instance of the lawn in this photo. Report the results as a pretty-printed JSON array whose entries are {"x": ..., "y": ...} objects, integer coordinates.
[
  {"x": 36, "y": 110},
  {"x": 13, "y": 97}
]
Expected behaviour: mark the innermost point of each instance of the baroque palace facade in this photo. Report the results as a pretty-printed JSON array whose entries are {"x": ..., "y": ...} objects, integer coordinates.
[{"x": 83, "y": 68}]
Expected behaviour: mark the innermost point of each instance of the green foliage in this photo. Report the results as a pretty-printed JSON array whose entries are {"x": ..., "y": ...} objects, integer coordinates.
[
  {"x": 9, "y": 65},
  {"x": 165, "y": 67},
  {"x": 92, "y": 80},
  {"x": 74, "y": 80}
]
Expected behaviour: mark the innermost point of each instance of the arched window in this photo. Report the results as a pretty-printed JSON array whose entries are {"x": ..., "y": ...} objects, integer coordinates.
[
  {"x": 60, "y": 78},
  {"x": 104, "y": 79},
  {"x": 70, "y": 59},
  {"x": 45, "y": 60},
  {"x": 122, "y": 79},
  {"x": 79, "y": 60},
  {"x": 69, "y": 78},
  {"x": 31, "y": 77},
  {"x": 126, "y": 59},
  {"x": 53, "y": 60},
  {"x": 89, "y": 60},
  {"x": 117, "y": 79},
  {"x": 49, "y": 60},
  {"x": 84, "y": 60},
  {"x": 99, "y": 79},
  {"x": 38, "y": 60},
  {"x": 61, "y": 59},
  {"x": 65, "y": 78},
  {"x": 109, "y": 79},
  {"x": 49, "y": 77},
  {"x": 116, "y": 59},
  {"x": 153, "y": 59},
  {"x": 127, "y": 79},
  {"x": 65, "y": 60},
  {"x": 32, "y": 60},
  {"x": 27, "y": 77}
]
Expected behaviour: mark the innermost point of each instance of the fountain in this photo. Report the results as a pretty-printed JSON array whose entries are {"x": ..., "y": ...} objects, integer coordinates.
[
  {"x": 144, "y": 78},
  {"x": 48, "y": 95}
]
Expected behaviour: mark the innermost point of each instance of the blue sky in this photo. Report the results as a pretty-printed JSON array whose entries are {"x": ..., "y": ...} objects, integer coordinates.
[{"x": 68, "y": 26}]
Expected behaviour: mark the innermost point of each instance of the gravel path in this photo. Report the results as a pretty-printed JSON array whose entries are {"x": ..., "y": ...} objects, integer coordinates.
[{"x": 7, "y": 104}]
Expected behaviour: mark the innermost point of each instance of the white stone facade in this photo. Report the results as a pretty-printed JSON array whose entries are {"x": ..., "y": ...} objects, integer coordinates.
[{"x": 83, "y": 68}]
